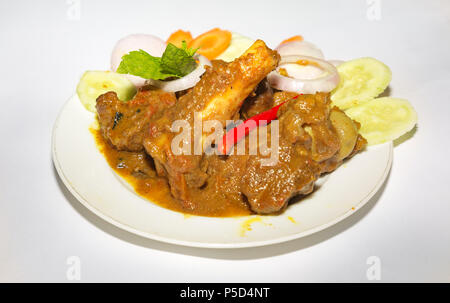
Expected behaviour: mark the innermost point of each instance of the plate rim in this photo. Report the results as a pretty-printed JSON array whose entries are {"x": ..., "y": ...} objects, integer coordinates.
[{"x": 215, "y": 245}]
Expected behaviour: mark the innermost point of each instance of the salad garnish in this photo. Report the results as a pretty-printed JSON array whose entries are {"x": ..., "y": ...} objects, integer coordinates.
[{"x": 175, "y": 62}]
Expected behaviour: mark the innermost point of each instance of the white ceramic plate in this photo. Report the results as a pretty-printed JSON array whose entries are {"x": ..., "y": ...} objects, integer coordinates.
[{"x": 88, "y": 177}]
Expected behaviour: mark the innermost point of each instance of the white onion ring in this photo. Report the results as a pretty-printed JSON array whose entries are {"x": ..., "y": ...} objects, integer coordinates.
[
  {"x": 301, "y": 48},
  {"x": 187, "y": 81},
  {"x": 297, "y": 71},
  {"x": 324, "y": 83},
  {"x": 149, "y": 43}
]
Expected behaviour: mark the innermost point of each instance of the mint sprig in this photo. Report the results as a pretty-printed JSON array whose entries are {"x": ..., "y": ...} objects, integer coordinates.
[{"x": 174, "y": 63}]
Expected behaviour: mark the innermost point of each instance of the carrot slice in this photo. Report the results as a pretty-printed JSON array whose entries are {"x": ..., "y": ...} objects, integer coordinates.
[
  {"x": 178, "y": 37},
  {"x": 294, "y": 38},
  {"x": 211, "y": 44}
]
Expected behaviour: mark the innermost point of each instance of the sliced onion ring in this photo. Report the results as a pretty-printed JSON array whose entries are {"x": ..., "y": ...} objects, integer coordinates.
[
  {"x": 301, "y": 48},
  {"x": 187, "y": 81},
  {"x": 149, "y": 43},
  {"x": 324, "y": 83}
]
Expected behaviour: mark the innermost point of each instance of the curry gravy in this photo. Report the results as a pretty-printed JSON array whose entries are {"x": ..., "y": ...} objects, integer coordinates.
[{"x": 137, "y": 169}]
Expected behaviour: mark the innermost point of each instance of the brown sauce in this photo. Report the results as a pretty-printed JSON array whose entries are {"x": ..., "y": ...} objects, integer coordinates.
[{"x": 137, "y": 169}]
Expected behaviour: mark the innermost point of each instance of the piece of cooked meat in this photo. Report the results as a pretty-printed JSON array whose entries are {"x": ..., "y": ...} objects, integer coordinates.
[
  {"x": 124, "y": 124},
  {"x": 259, "y": 101},
  {"x": 268, "y": 188},
  {"x": 313, "y": 139},
  {"x": 310, "y": 114},
  {"x": 217, "y": 96},
  {"x": 234, "y": 81}
]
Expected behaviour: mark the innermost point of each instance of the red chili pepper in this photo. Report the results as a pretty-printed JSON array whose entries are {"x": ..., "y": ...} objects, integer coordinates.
[{"x": 235, "y": 134}]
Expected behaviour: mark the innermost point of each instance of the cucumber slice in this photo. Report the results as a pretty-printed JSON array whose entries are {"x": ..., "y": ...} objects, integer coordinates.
[
  {"x": 361, "y": 80},
  {"x": 95, "y": 83},
  {"x": 238, "y": 45},
  {"x": 384, "y": 119}
]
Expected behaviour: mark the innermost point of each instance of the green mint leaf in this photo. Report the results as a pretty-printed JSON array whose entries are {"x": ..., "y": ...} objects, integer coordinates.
[
  {"x": 190, "y": 51},
  {"x": 142, "y": 64},
  {"x": 178, "y": 61},
  {"x": 174, "y": 63}
]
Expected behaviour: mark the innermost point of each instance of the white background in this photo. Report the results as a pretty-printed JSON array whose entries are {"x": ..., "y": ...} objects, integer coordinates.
[{"x": 43, "y": 52}]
